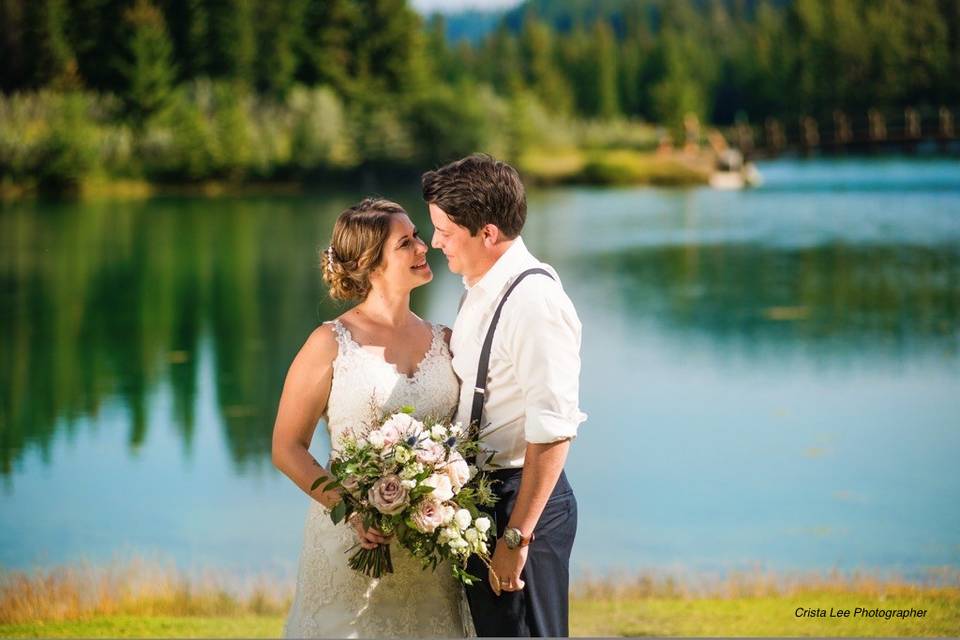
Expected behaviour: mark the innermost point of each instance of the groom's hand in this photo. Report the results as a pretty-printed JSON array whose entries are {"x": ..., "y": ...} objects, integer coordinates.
[{"x": 506, "y": 566}]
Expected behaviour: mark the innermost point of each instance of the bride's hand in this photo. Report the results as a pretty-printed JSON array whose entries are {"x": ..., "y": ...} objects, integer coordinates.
[{"x": 368, "y": 538}]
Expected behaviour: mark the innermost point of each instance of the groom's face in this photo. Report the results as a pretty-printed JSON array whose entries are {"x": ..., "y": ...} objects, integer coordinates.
[{"x": 464, "y": 252}]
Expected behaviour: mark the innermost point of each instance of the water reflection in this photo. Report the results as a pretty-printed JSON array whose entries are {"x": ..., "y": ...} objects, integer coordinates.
[
  {"x": 111, "y": 300},
  {"x": 836, "y": 301}
]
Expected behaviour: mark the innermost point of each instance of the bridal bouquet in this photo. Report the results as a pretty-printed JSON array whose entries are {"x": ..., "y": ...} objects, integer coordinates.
[{"x": 410, "y": 479}]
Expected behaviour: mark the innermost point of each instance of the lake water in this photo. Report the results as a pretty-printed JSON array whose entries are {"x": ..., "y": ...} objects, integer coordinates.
[{"x": 772, "y": 376}]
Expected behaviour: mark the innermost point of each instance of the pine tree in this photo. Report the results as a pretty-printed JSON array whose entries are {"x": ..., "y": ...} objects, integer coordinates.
[
  {"x": 606, "y": 71},
  {"x": 542, "y": 73},
  {"x": 48, "y": 56},
  {"x": 388, "y": 48},
  {"x": 147, "y": 67},
  {"x": 325, "y": 52},
  {"x": 230, "y": 39},
  {"x": 279, "y": 30},
  {"x": 13, "y": 69},
  {"x": 98, "y": 36},
  {"x": 187, "y": 25}
]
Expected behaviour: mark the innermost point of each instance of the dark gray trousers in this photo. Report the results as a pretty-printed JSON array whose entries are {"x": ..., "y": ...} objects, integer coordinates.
[{"x": 541, "y": 608}]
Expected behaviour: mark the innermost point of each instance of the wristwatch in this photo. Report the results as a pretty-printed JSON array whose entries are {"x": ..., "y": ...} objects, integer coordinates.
[{"x": 515, "y": 538}]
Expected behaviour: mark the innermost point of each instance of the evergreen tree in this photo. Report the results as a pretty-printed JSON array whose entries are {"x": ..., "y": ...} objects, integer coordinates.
[
  {"x": 98, "y": 36},
  {"x": 388, "y": 48},
  {"x": 326, "y": 54},
  {"x": 678, "y": 93},
  {"x": 147, "y": 68},
  {"x": 575, "y": 52},
  {"x": 187, "y": 23},
  {"x": 278, "y": 35},
  {"x": 499, "y": 63},
  {"x": 13, "y": 70},
  {"x": 230, "y": 39},
  {"x": 542, "y": 74},
  {"x": 928, "y": 41},
  {"x": 606, "y": 71},
  {"x": 48, "y": 56}
]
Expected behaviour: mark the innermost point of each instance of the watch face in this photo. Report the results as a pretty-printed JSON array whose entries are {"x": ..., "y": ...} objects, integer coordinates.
[{"x": 512, "y": 538}]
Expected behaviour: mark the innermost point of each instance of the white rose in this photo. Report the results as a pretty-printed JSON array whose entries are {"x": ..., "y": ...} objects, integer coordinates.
[
  {"x": 459, "y": 543},
  {"x": 402, "y": 455},
  {"x": 409, "y": 484},
  {"x": 462, "y": 518},
  {"x": 442, "y": 489},
  {"x": 482, "y": 524},
  {"x": 376, "y": 439},
  {"x": 437, "y": 432},
  {"x": 451, "y": 533},
  {"x": 471, "y": 535},
  {"x": 448, "y": 513}
]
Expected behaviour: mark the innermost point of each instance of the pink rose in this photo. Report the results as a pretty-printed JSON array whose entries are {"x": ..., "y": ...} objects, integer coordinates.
[
  {"x": 428, "y": 516},
  {"x": 430, "y": 453},
  {"x": 388, "y": 495},
  {"x": 391, "y": 433},
  {"x": 406, "y": 425},
  {"x": 458, "y": 471}
]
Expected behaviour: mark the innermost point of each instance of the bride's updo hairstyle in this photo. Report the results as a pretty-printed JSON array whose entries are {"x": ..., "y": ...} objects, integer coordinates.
[{"x": 356, "y": 248}]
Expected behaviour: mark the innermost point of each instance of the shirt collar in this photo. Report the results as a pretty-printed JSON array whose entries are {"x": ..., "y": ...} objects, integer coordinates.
[{"x": 508, "y": 265}]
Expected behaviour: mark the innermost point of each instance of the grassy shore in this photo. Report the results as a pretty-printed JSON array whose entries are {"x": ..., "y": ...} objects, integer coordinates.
[
  {"x": 600, "y": 167},
  {"x": 604, "y": 167},
  {"x": 142, "y": 600}
]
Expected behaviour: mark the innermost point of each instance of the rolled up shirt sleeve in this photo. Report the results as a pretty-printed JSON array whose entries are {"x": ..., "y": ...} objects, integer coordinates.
[{"x": 544, "y": 346}]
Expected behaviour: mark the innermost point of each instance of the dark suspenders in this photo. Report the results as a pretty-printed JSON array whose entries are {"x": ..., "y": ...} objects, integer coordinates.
[{"x": 480, "y": 389}]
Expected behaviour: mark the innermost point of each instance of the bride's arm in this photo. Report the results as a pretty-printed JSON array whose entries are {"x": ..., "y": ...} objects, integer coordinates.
[{"x": 302, "y": 403}]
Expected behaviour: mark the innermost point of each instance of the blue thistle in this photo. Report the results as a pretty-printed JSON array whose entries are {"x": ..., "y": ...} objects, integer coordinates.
[
  {"x": 412, "y": 440},
  {"x": 452, "y": 440}
]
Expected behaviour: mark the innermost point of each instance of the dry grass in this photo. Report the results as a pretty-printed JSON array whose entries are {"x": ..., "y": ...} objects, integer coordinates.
[
  {"x": 749, "y": 603},
  {"x": 943, "y": 581},
  {"x": 136, "y": 587}
]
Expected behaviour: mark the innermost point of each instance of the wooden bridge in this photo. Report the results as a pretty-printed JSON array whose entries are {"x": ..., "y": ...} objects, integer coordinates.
[{"x": 876, "y": 131}]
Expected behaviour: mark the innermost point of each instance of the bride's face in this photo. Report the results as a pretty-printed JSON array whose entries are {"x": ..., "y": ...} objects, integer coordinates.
[{"x": 404, "y": 264}]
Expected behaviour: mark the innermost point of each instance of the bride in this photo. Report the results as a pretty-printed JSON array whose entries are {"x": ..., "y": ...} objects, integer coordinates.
[{"x": 372, "y": 360}]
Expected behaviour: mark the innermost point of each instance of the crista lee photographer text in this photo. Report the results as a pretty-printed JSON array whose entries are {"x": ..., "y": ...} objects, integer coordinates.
[{"x": 859, "y": 612}]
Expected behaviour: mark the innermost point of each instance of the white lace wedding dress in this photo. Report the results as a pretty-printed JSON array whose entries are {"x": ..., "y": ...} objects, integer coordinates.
[{"x": 334, "y": 601}]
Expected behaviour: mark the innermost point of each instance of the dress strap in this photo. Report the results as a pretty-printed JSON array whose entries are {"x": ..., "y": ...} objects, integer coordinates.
[
  {"x": 439, "y": 344},
  {"x": 344, "y": 339}
]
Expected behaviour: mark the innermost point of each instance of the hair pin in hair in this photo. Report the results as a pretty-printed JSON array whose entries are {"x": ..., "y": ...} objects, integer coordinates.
[{"x": 330, "y": 259}]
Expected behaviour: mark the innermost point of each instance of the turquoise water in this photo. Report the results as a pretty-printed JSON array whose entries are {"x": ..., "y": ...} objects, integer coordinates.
[{"x": 771, "y": 376}]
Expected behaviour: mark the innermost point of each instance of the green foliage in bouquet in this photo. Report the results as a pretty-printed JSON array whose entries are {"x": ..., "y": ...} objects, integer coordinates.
[{"x": 409, "y": 479}]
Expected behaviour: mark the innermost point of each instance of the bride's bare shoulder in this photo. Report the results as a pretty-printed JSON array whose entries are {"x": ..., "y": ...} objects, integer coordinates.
[{"x": 321, "y": 345}]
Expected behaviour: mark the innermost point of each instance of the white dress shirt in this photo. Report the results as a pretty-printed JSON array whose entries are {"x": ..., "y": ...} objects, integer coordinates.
[{"x": 533, "y": 382}]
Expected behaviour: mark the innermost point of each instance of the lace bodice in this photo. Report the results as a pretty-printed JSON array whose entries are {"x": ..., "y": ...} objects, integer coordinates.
[
  {"x": 365, "y": 386},
  {"x": 332, "y": 600}
]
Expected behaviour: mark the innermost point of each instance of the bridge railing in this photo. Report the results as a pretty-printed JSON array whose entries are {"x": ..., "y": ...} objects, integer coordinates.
[{"x": 873, "y": 129}]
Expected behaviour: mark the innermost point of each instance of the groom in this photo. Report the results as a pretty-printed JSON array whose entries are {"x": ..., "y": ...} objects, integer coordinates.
[{"x": 528, "y": 399}]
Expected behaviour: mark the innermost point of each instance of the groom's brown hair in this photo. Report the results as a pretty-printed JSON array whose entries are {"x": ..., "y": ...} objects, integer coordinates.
[{"x": 478, "y": 190}]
